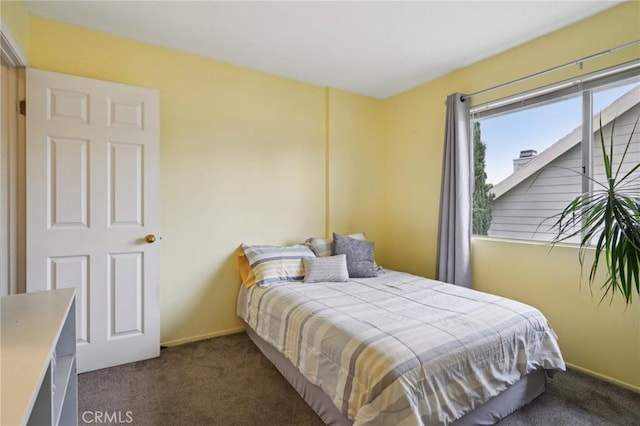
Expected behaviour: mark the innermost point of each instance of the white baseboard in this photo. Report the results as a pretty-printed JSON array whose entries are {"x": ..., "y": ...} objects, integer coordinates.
[
  {"x": 605, "y": 378},
  {"x": 205, "y": 336}
]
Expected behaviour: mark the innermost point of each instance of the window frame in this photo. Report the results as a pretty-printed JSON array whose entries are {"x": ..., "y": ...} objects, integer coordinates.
[{"x": 586, "y": 86}]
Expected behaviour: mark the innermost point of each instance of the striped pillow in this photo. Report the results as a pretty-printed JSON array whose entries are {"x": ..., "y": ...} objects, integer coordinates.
[
  {"x": 324, "y": 246},
  {"x": 271, "y": 264}
]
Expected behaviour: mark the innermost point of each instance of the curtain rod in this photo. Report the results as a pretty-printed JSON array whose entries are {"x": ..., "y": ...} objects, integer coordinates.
[
  {"x": 627, "y": 69},
  {"x": 578, "y": 62}
]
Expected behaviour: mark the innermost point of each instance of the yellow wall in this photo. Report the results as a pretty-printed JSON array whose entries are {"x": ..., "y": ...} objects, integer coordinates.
[
  {"x": 415, "y": 123},
  {"x": 600, "y": 338},
  {"x": 356, "y": 142},
  {"x": 16, "y": 18}
]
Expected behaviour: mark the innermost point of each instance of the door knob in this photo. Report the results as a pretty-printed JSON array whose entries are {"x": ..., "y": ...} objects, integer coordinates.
[{"x": 150, "y": 238}]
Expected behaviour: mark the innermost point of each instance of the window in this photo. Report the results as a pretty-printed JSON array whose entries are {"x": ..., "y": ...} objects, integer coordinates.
[{"x": 531, "y": 157}]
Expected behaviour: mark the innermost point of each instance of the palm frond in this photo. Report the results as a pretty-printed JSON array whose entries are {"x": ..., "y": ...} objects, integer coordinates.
[
  {"x": 610, "y": 217},
  {"x": 626, "y": 148}
]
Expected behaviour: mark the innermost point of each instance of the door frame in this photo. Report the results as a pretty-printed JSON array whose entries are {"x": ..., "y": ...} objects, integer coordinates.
[
  {"x": 13, "y": 182},
  {"x": 11, "y": 52}
]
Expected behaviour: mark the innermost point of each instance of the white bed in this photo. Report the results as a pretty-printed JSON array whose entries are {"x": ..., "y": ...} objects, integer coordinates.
[{"x": 399, "y": 349}]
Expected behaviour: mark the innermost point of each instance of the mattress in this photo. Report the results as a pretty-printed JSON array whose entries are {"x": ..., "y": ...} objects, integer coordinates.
[{"x": 402, "y": 349}]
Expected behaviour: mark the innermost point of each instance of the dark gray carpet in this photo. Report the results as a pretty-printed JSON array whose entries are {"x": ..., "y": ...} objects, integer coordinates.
[{"x": 227, "y": 381}]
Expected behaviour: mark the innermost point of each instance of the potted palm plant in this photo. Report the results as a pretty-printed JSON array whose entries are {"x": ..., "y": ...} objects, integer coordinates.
[{"x": 607, "y": 221}]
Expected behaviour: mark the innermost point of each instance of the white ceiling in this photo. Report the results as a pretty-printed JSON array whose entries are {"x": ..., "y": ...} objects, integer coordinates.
[{"x": 373, "y": 48}]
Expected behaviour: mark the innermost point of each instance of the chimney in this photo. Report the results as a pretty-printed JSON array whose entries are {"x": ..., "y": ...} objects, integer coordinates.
[{"x": 525, "y": 156}]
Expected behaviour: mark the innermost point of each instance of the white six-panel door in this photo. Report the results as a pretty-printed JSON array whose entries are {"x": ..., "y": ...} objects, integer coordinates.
[{"x": 93, "y": 210}]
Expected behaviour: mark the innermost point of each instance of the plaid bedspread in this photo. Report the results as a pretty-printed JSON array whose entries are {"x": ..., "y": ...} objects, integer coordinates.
[{"x": 399, "y": 349}]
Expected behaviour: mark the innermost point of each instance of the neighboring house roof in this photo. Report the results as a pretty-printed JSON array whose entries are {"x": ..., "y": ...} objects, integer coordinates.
[{"x": 616, "y": 108}]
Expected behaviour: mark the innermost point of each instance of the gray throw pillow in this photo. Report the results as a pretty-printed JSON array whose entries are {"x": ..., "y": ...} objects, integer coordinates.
[
  {"x": 359, "y": 253},
  {"x": 325, "y": 269}
]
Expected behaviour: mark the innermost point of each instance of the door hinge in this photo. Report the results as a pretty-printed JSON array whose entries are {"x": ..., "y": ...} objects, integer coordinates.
[{"x": 22, "y": 107}]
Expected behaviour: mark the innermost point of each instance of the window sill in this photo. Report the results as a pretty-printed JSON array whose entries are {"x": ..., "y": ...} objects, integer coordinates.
[{"x": 523, "y": 242}]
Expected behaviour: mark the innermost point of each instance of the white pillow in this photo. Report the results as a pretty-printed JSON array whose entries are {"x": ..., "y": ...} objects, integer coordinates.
[{"x": 325, "y": 269}]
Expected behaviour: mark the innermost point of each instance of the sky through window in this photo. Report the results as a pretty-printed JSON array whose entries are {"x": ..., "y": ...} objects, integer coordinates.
[{"x": 535, "y": 128}]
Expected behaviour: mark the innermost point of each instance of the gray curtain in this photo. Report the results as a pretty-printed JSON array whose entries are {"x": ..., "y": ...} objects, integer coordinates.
[{"x": 454, "y": 232}]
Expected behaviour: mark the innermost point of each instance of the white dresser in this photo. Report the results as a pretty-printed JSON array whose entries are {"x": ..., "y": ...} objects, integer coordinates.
[{"x": 38, "y": 359}]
